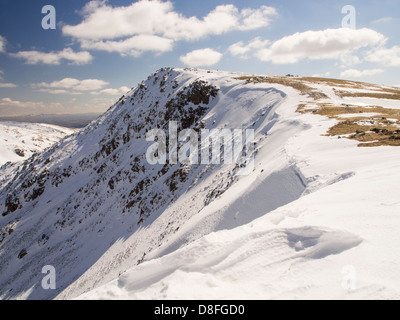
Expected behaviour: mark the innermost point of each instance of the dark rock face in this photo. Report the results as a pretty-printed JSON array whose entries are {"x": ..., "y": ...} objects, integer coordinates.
[
  {"x": 187, "y": 107},
  {"x": 20, "y": 152},
  {"x": 22, "y": 254},
  {"x": 12, "y": 204},
  {"x": 197, "y": 93}
]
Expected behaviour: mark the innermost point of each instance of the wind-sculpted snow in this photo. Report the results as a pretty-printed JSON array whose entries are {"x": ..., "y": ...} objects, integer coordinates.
[{"x": 228, "y": 264}]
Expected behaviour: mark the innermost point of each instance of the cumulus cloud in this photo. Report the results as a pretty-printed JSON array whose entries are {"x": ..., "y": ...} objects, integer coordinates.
[
  {"x": 201, "y": 58},
  {"x": 7, "y": 85},
  {"x": 2, "y": 44},
  {"x": 155, "y": 25},
  {"x": 321, "y": 75},
  {"x": 353, "y": 73},
  {"x": 11, "y": 107},
  {"x": 383, "y": 20},
  {"x": 70, "y": 85},
  {"x": 76, "y": 87},
  {"x": 5, "y": 102},
  {"x": 242, "y": 50},
  {"x": 54, "y": 58},
  {"x": 113, "y": 92},
  {"x": 324, "y": 44},
  {"x": 385, "y": 56},
  {"x": 133, "y": 46}
]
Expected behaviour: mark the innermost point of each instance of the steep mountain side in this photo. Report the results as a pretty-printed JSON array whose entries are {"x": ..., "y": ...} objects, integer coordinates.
[
  {"x": 95, "y": 190},
  {"x": 19, "y": 141},
  {"x": 93, "y": 206},
  {"x": 337, "y": 241}
]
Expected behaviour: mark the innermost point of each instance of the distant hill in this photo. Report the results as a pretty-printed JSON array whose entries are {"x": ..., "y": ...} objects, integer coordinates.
[
  {"x": 76, "y": 121},
  {"x": 19, "y": 141}
]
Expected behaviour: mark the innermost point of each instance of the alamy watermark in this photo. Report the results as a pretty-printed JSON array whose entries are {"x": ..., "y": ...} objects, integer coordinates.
[
  {"x": 349, "y": 278},
  {"x": 191, "y": 147},
  {"x": 49, "y": 281},
  {"x": 350, "y": 19},
  {"x": 49, "y": 20}
]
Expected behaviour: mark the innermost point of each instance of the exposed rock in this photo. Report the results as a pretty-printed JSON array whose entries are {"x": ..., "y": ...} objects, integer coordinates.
[{"x": 22, "y": 254}]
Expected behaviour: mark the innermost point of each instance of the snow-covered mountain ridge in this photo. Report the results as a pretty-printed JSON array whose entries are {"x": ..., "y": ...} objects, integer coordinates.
[
  {"x": 19, "y": 141},
  {"x": 94, "y": 208}
]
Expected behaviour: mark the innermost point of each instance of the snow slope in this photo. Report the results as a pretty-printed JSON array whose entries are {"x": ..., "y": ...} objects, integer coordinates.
[
  {"x": 316, "y": 218},
  {"x": 338, "y": 242},
  {"x": 20, "y": 140}
]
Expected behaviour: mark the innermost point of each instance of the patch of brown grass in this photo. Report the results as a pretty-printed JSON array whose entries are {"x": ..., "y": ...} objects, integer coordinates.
[
  {"x": 351, "y": 84},
  {"x": 368, "y": 136},
  {"x": 288, "y": 82},
  {"x": 335, "y": 112},
  {"x": 381, "y": 143},
  {"x": 334, "y": 82},
  {"x": 370, "y": 131},
  {"x": 391, "y": 90},
  {"x": 377, "y": 95}
]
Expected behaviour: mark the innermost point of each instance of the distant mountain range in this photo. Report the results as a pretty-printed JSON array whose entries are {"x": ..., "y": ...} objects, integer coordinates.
[{"x": 63, "y": 120}]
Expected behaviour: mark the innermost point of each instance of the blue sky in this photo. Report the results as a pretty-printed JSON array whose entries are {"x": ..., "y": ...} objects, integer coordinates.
[{"x": 100, "y": 48}]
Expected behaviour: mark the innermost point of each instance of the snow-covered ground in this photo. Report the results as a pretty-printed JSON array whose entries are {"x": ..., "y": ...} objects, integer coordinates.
[
  {"x": 20, "y": 140},
  {"x": 338, "y": 241},
  {"x": 317, "y": 218}
]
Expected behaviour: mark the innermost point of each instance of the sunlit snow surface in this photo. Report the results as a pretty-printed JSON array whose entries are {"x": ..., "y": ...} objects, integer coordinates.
[
  {"x": 318, "y": 218},
  {"x": 26, "y": 139}
]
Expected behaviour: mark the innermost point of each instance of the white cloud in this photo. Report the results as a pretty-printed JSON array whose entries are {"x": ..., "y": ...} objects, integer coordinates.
[
  {"x": 90, "y": 84},
  {"x": 91, "y": 6},
  {"x": 201, "y": 58},
  {"x": 74, "y": 86},
  {"x": 383, "y": 20},
  {"x": 241, "y": 50},
  {"x": 66, "y": 83},
  {"x": 115, "y": 92},
  {"x": 325, "y": 44},
  {"x": 133, "y": 46},
  {"x": 58, "y": 91},
  {"x": 7, "y": 85},
  {"x": 385, "y": 56},
  {"x": 321, "y": 75},
  {"x": 2, "y": 44},
  {"x": 155, "y": 25},
  {"x": 255, "y": 19},
  {"x": 9, "y": 101},
  {"x": 71, "y": 86},
  {"x": 9, "y": 106},
  {"x": 349, "y": 59},
  {"x": 54, "y": 58},
  {"x": 353, "y": 73}
]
